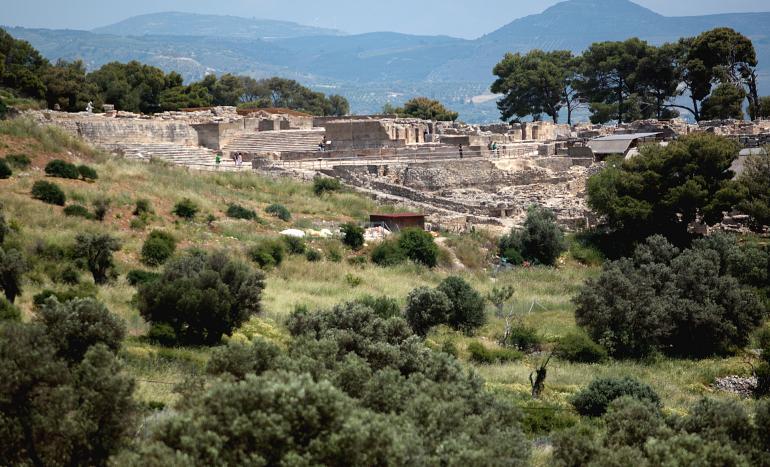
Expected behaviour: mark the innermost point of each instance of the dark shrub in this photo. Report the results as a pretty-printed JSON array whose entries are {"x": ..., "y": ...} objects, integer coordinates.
[
  {"x": 523, "y": 338},
  {"x": 541, "y": 241},
  {"x": 578, "y": 347},
  {"x": 96, "y": 250},
  {"x": 467, "y": 313},
  {"x": 48, "y": 192},
  {"x": 101, "y": 206},
  {"x": 388, "y": 253},
  {"x": 267, "y": 253},
  {"x": 449, "y": 348},
  {"x": 62, "y": 169},
  {"x": 485, "y": 356},
  {"x": 76, "y": 325},
  {"x": 323, "y": 185},
  {"x": 158, "y": 248},
  {"x": 543, "y": 418},
  {"x": 352, "y": 236},
  {"x": 142, "y": 207},
  {"x": 70, "y": 275},
  {"x": 4, "y": 227},
  {"x": 294, "y": 245},
  {"x": 87, "y": 173},
  {"x": 313, "y": 255},
  {"x": 77, "y": 210},
  {"x": 418, "y": 245},
  {"x": 279, "y": 211},
  {"x": 661, "y": 300},
  {"x": 12, "y": 267},
  {"x": 8, "y": 312},
  {"x": 163, "y": 334},
  {"x": 425, "y": 308},
  {"x": 186, "y": 209},
  {"x": 80, "y": 292},
  {"x": 240, "y": 360},
  {"x": 512, "y": 256},
  {"x": 5, "y": 170},
  {"x": 384, "y": 307},
  {"x": 19, "y": 161},
  {"x": 137, "y": 277},
  {"x": 202, "y": 297},
  {"x": 57, "y": 412},
  {"x": 594, "y": 399},
  {"x": 236, "y": 211}
]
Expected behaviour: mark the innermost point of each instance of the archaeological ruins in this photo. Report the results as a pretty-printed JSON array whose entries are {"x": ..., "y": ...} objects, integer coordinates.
[{"x": 460, "y": 175}]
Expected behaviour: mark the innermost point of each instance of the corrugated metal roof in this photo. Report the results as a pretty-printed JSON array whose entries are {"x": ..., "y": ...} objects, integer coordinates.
[
  {"x": 616, "y": 144},
  {"x": 610, "y": 147},
  {"x": 629, "y": 136}
]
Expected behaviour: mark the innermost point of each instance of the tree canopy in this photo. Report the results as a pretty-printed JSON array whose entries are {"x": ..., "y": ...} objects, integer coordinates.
[
  {"x": 631, "y": 79},
  {"x": 422, "y": 107},
  {"x": 664, "y": 189}
]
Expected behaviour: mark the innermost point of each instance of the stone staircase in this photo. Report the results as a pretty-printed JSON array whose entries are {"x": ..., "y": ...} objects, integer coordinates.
[
  {"x": 199, "y": 158},
  {"x": 269, "y": 142}
]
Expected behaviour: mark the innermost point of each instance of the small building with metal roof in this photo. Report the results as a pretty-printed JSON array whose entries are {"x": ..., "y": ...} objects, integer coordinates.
[
  {"x": 619, "y": 144},
  {"x": 399, "y": 221}
]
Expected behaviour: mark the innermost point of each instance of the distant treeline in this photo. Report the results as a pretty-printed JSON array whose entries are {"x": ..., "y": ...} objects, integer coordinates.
[
  {"x": 136, "y": 87},
  {"x": 714, "y": 74}
]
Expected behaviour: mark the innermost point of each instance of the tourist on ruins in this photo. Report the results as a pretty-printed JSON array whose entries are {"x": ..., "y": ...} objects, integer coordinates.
[
  {"x": 239, "y": 161},
  {"x": 461, "y": 151},
  {"x": 218, "y": 159}
]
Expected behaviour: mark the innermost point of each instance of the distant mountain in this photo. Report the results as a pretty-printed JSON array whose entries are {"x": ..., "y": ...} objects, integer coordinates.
[
  {"x": 191, "y": 24},
  {"x": 371, "y": 69}
]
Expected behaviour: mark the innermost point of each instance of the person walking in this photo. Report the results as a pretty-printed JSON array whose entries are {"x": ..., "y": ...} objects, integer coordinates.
[
  {"x": 218, "y": 159},
  {"x": 461, "y": 151},
  {"x": 239, "y": 161}
]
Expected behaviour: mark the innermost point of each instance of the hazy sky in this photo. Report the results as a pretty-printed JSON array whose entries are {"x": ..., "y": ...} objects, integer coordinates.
[{"x": 460, "y": 18}]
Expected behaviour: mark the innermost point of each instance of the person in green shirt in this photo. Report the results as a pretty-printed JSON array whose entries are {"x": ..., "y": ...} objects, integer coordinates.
[{"x": 218, "y": 159}]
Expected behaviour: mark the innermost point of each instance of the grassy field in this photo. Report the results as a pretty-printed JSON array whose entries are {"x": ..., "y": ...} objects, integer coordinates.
[{"x": 542, "y": 295}]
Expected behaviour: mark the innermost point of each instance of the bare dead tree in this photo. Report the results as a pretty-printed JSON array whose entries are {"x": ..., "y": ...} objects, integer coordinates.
[{"x": 538, "y": 382}]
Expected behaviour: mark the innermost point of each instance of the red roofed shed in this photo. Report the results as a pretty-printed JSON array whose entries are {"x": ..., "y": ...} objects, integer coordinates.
[{"x": 399, "y": 221}]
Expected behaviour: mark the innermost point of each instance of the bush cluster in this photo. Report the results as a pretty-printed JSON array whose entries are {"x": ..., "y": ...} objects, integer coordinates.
[
  {"x": 485, "y": 356},
  {"x": 267, "y": 253},
  {"x": 594, "y": 399},
  {"x": 679, "y": 303},
  {"x": 294, "y": 245},
  {"x": 5, "y": 170},
  {"x": 236, "y": 211},
  {"x": 186, "y": 209},
  {"x": 280, "y": 211},
  {"x": 138, "y": 277},
  {"x": 158, "y": 248},
  {"x": 202, "y": 297},
  {"x": 62, "y": 169},
  {"x": 412, "y": 243},
  {"x": 48, "y": 192},
  {"x": 18, "y": 161},
  {"x": 578, "y": 347},
  {"x": 634, "y": 432},
  {"x": 323, "y": 185},
  {"x": 523, "y": 338},
  {"x": 77, "y": 210},
  {"x": 454, "y": 302},
  {"x": 8, "y": 312},
  {"x": 541, "y": 241},
  {"x": 12, "y": 267},
  {"x": 66, "y": 399},
  {"x": 351, "y": 388},
  {"x": 352, "y": 236}
]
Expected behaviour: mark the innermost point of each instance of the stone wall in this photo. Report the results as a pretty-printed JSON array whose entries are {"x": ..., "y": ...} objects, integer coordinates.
[{"x": 102, "y": 130}]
